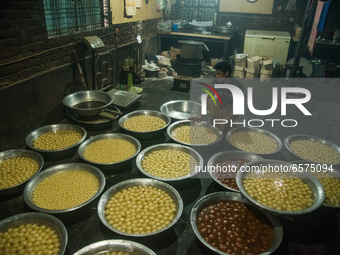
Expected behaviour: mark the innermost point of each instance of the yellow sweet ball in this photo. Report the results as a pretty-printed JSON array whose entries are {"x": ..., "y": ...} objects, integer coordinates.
[
  {"x": 140, "y": 209},
  {"x": 168, "y": 163},
  {"x": 144, "y": 123},
  {"x": 110, "y": 150},
  {"x": 331, "y": 186},
  {"x": 191, "y": 134},
  {"x": 64, "y": 190},
  {"x": 279, "y": 191},
  {"x": 29, "y": 239},
  {"x": 315, "y": 151},
  {"x": 16, "y": 170},
  {"x": 58, "y": 139},
  {"x": 254, "y": 142}
]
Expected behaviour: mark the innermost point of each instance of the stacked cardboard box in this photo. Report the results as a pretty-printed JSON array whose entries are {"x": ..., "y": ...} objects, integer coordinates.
[
  {"x": 165, "y": 54},
  {"x": 174, "y": 52},
  {"x": 267, "y": 65},
  {"x": 239, "y": 72},
  {"x": 253, "y": 67},
  {"x": 240, "y": 65}
]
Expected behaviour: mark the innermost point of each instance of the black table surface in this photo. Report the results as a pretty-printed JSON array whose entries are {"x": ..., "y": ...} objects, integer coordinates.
[{"x": 314, "y": 233}]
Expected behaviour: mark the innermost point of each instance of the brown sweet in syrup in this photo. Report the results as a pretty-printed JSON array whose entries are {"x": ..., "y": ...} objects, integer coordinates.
[
  {"x": 229, "y": 179},
  {"x": 235, "y": 228}
]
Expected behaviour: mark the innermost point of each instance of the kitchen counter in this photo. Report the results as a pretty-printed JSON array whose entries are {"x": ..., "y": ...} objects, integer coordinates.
[
  {"x": 199, "y": 35},
  {"x": 315, "y": 233},
  {"x": 164, "y": 37}
]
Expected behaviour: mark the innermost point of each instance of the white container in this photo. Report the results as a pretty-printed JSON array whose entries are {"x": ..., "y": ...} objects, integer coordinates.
[{"x": 267, "y": 44}]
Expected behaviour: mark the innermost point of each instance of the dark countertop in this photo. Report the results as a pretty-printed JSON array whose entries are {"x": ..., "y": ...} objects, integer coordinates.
[
  {"x": 210, "y": 35},
  {"x": 315, "y": 233}
]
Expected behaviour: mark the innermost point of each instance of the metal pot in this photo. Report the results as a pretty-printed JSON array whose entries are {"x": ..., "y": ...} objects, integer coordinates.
[
  {"x": 225, "y": 29},
  {"x": 199, "y": 28},
  {"x": 191, "y": 49},
  {"x": 88, "y": 102}
]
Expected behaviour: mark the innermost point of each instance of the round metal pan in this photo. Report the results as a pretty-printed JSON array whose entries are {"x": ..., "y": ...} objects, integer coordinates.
[
  {"x": 225, "y": 29},
  {"x": 199, "y": 28},
  {"x": 102, "y": 121},
  {"x": 94, "y": 102}
]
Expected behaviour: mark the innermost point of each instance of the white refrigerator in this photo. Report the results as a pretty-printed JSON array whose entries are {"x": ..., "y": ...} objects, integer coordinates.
[{"x": 264, "y": 43}]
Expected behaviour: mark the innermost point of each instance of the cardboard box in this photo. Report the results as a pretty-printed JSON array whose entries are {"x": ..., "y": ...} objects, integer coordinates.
[
  {"x": 267, "y": 62},
  {"x": 239, "y": 68},
  {"x": 241, "y": 60},
  {"x": 165, "y": 54},
  {"x": 253, "y": 62},
  {"x": 253, "y": 67},
  {"x": 252, "y": 73},
  {"x": 239, "y": 72},
  {"x": 265, "y": 76},
  {"x": 241, "y": 64},
  {"x": 174, "y": 52},
  {"x": 267, "y": 67},
  {"x": 266, "y": 72}
]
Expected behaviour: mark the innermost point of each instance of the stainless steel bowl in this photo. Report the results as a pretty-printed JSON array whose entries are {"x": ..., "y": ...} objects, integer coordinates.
[
  {"x": 116, "y": 245},
  {"x": 109, "y": 166},
  {"x": 20, "y": 153},
  {"x": 229, "y": 155},
  {"x": 310, "y": 180},
  {"x": 225, "y": 196},
  {"x": 39, "y": 219},
  {"x": 60, "y": 153},
  {"x": 93, "y": 102},
  {"x": 31, "y": 185},
  {"x": 148, "y": 134},
  {"x": 181, "y": 109},
  {"x": 288, "y": 140},
  {"x": 262, "y": 131},
  {"x": 134, "y": 182},
  {"x": 172, "y": 146},
  {"x": 181, "y": 123},
  {"x": 320, "y": 172},
  {"x": 335, "y": 174}
]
